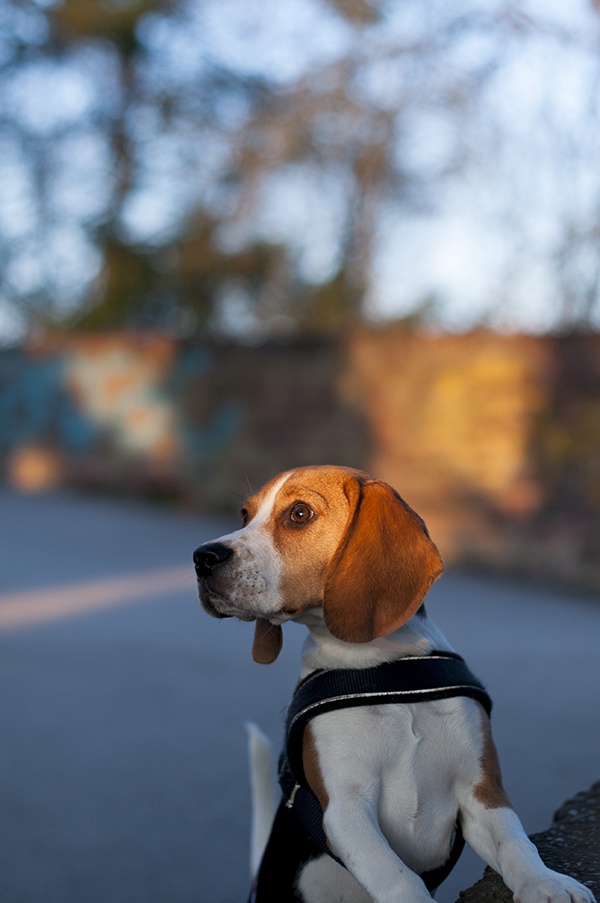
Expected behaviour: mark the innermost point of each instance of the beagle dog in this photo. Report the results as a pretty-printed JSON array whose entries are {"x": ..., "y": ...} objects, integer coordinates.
[{"x": 340, "y": 552}]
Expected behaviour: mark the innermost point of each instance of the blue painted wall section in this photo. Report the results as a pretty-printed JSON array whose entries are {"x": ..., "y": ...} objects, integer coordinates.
[{"x": 36, "y": 407}]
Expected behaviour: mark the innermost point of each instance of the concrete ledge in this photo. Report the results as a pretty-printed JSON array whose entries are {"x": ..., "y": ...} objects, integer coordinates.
[{"x": 571, "y": 845}]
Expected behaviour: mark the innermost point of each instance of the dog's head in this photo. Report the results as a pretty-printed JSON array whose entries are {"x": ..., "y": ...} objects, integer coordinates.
[{"x": 329, "y": 537}]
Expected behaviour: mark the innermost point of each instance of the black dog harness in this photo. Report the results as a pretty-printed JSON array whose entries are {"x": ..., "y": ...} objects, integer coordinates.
[{"x": 440, "y": 675}]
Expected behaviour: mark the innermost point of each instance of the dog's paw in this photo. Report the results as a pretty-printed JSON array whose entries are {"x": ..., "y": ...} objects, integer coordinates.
[{"x": 551, "y": 887}]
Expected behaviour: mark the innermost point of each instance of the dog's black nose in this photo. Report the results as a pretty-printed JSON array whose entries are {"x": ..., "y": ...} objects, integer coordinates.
[{"x": 209, "y": 556}]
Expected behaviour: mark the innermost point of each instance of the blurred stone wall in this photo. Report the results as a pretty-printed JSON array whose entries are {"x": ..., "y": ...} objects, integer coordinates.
[{"x": 494, "y": 439}]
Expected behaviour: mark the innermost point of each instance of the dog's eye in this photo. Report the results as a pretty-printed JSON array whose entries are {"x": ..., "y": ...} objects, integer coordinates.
[
  {"x": 301, "y": 513},
  {"x": 244, "y": 514}
]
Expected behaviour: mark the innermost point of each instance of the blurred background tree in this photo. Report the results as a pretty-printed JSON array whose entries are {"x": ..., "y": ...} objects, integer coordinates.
[{"x": 253, "y": 169}]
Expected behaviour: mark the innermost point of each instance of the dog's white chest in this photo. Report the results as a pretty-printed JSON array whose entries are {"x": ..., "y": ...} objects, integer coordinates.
[{"x": 404, "y": 761}]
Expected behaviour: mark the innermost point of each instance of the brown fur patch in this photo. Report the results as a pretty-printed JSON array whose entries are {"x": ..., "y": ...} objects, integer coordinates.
[
  {"x": 312, "y": 768},
  {"x": 489, "y": 790},
  {"x": 313, "y": 773},
  {"x": 383, "y": 569},
  {"x": 307, "y": 551}
]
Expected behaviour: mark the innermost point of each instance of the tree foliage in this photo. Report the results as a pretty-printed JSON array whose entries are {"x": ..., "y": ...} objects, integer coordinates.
[{"x": 202, "y": 167}]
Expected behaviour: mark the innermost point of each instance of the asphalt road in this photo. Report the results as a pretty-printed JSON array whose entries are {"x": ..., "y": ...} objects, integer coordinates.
[{"x": 123, "y": 775}]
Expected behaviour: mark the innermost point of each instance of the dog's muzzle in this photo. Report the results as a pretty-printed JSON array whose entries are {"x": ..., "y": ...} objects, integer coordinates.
[{"x": 207, "y": 559}]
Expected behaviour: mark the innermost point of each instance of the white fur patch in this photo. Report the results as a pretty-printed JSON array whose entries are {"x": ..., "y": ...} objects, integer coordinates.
[
  {"x": 253, "y": 576},
  {"x": 322, "y": 880}
]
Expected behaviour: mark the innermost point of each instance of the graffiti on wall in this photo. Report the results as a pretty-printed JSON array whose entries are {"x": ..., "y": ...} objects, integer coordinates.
[{"x": 109, "y": 400}]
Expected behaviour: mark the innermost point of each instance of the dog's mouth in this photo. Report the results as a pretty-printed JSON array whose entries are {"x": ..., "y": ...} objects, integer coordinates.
[
  {"x": 209, "y": 606},
  {"x": 218, "y": 606},
  {"x": 214, "y": 606},
  {"x": 213, "y": 603}
]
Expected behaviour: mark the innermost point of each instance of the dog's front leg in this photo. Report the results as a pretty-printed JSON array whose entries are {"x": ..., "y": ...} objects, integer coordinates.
[
  {"x": 496, "y": 834},
  {"x": 341, "y": 757},
  {"x": 355, "y": 837}
]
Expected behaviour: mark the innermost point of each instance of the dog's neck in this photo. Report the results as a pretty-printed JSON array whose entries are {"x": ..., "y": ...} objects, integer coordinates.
[{"x": 419, "y": 636}]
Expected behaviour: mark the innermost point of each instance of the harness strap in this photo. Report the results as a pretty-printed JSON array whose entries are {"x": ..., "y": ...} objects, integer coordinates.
[{"x": 440, "y": 675}]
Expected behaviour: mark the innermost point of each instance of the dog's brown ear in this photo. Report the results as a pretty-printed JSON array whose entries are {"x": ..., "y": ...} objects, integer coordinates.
[
  {"x": 268, "y": 640},
  {"x": 383, "y": 567}
]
